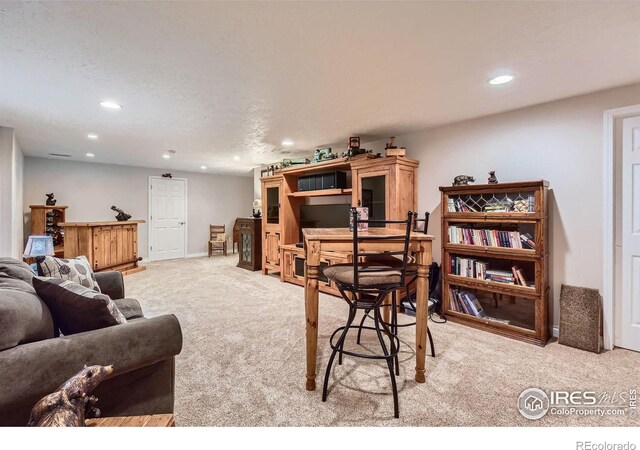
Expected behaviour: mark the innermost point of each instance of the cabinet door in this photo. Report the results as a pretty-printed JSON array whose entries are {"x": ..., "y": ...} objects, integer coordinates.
[
  {"x": 372, "y": 190},
  {"x": 246, "y": 245},
  {"x": 272, "y": 248},
  {"x": 271, "y": 205}
]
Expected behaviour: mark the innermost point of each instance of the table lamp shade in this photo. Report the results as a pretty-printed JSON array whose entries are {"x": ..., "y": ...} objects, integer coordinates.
[
  {"x": 39, "y": 246},
  {"x": 257, "y": 203}
]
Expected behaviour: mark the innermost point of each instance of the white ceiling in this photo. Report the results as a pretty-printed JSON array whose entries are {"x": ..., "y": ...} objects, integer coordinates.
[{"x": 214, "y": 80}]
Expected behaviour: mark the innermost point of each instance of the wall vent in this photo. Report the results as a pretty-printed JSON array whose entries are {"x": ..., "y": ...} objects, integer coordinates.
[{"x": 59, "y": 156}]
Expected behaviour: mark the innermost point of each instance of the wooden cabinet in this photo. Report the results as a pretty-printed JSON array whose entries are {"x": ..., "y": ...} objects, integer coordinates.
[
  {"x": 280, "y": 216},
  {"x": 46, "y": 220},
  {"x": 249, "y": 243},
  {"x": 293, "y": 259},
  {"x": 107, "y": 245},
  {"x": 386, "y": 185}
]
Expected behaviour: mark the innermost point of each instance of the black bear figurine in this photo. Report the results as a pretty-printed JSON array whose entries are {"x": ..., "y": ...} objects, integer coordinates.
[{"x": 50, "y": 200}]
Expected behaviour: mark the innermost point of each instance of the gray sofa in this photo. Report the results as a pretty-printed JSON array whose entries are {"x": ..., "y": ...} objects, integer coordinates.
[{"x": 34, "y": 360}]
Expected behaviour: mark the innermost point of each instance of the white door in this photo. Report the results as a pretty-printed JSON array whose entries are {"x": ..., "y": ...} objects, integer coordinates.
[
  {"x": 167, "y": 218},
  {"x": 629, "y": 332}
]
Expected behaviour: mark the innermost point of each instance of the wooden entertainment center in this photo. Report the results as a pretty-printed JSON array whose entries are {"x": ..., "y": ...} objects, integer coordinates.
[{"x": 387, "y": 185}]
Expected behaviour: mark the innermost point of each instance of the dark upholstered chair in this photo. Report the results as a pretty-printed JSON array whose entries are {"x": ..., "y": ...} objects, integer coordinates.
[
  {"x": 364, "y": 287},
  {"x": 33, "y": 362}
]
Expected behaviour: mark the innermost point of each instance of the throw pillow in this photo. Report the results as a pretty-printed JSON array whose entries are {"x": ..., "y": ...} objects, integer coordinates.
[
  {"x": 77, "y": 270},
  {"x": 76, "y": 308}
]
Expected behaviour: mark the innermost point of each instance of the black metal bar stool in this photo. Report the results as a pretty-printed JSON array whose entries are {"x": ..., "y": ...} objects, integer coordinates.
[
  {"x": 364, "y": 287},
  {"x": 390, "y": 261}
]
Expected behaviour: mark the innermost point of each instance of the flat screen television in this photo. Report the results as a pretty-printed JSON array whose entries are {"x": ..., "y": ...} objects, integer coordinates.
[{"x": 324, "y": 216}]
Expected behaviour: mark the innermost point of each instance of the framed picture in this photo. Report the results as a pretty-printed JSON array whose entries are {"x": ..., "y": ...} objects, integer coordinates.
[
  {"x": 354, "y": 142},
  {"x": 264, "y": 173}
]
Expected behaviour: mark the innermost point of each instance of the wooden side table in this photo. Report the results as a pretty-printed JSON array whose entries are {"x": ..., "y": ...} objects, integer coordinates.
[{"x": 155, "y": 420}]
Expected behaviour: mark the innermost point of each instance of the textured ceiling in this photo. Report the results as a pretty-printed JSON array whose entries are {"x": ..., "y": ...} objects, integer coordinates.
[{"x": 217, "y": 80}]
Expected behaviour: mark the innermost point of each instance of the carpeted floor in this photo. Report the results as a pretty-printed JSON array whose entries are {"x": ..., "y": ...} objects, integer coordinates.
[{"x": 243, "y": 361}]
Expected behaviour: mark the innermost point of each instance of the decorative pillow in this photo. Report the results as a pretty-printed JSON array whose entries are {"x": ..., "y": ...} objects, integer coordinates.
[
  {"x": 221, "y": 237},
  {"x": 77, "y": 270},
  {"x": 76, "y": 308}
]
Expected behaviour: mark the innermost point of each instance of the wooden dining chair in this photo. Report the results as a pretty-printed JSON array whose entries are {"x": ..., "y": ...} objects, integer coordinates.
[{"x": 217, "y": 239}]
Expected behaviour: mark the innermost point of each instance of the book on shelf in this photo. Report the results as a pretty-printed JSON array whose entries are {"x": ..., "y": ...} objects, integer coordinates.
[
  {"x": 490, "y": 238},
  {"x": 527, "y": 241},
  {"x": 524, "y": 203},
  {"x": 477, "y": 269},
  {"x": 465, "y": 302}
]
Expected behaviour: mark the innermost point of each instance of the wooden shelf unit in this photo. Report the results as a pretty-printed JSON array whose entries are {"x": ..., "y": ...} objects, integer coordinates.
[
  {"x": 321, "y": 193},
  {"x": 39, "y": 214},
  {"x": 281, "y": 201},
  {"x": 536, "y": 298}
]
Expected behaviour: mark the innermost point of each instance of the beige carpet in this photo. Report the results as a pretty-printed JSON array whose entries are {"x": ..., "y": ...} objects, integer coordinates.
[{"x": 243, "y": 361}]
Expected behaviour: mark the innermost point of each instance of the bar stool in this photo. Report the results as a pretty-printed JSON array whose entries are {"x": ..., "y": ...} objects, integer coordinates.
[
  {"x": 390, "y": 261},
  {"x": 364, "y": 287}
]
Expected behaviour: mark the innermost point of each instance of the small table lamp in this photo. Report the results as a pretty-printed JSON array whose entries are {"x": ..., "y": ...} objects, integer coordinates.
[{"x": 38, "y": 246}]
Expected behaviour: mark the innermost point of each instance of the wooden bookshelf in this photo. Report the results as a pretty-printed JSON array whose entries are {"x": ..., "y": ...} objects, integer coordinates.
[
  {"x": 45, "y": 220},
  {"x": 512, "y": 310}
]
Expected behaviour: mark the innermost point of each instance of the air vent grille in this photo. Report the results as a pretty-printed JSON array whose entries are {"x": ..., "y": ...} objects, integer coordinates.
[{"x": 59, "y": 156}]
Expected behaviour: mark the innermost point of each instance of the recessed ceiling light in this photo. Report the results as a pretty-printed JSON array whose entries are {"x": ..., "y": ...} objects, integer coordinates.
[
  {"x": 287, "y": 142},
  {"x": 501, "y": 79},
  {"x": 90, "y": 155},
  {"x": 203, "y": 167},
  {"x": 166, "y": 156},
  {"x": 92, "y": 136},
  {"x": 236, "y": 158},
  {"x": 110, "y": 104}
]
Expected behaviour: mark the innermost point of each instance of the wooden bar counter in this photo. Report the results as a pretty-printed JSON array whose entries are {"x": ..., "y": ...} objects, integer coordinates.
[{"x": 107, "y": 245}]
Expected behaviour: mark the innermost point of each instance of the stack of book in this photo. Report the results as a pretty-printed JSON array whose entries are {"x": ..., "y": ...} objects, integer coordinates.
[
  {"x": 468, "y": 267},
  {"x": 490, "y": 238},
  {"x": 500, "y": 276},
  {"x": 473, "y": 268},
  {"x": 465, "y": 302}
]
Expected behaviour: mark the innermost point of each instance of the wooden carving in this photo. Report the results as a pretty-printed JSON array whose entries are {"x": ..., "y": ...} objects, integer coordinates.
[{"x": 71, "y": 403}]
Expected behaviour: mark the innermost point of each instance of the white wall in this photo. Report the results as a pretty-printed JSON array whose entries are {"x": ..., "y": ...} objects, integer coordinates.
[
  {"x": 561, "y": 142},
  {"x": 11, "y": 185},
  {"x": 89, "y": 189}
]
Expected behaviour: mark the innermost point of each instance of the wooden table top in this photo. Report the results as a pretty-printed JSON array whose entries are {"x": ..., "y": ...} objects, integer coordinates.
[
  {"x": 339, "y": 234},
  {"x": 155, "y": 420},
  {"x": 99, "y": 224}
]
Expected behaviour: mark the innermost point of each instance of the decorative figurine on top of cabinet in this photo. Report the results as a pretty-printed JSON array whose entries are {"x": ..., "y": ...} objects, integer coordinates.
[
  {"x": 50, "y": 200},
  {"x": 122, "y": 216},
  {"x": 167, "y": 175},
  {"x": 492, "y": 177},
  {"x": 323, "y": 154},
  {"x": 463, "y": 180}
]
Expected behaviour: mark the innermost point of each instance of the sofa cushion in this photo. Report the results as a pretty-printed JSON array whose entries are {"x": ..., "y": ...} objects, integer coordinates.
[
  {"x": 76, "y": 308},
  {"x": 129, "y": 307},
  {"x": 23, "y": 316},
  {"x": 16, "y": 269},
  {"x": 77, "y": 270}
]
